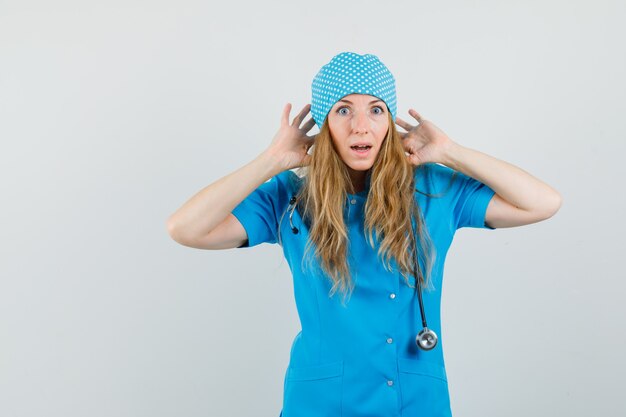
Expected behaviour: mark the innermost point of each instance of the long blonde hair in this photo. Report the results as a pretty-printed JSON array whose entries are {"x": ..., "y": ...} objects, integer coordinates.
[{"x": 389, "y": 208}]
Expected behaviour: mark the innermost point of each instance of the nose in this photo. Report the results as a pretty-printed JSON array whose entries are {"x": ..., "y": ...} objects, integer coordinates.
[{"x": 360, "y": 123}]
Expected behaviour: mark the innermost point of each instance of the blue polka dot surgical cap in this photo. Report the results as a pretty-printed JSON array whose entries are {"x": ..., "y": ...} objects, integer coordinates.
[{"x": 351, "y": 73}]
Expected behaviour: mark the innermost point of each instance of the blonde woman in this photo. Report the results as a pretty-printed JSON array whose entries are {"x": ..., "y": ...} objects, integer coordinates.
[{"x": 365, "y": 224}]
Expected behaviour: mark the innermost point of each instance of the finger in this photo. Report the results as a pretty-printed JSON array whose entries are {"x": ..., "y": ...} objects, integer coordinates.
[
  {"x": 298, "y": 119},
  {"x": 308, "y": 125},
  {"x": 403, "y": 124},
  {"x": 415, "y": 114},
  {"x": 284, "y": 119}
]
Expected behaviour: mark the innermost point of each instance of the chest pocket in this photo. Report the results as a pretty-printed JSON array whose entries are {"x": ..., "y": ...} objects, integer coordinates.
[
  {"x": 424, "y": 388},
  {"x": 314, "y": 391}
]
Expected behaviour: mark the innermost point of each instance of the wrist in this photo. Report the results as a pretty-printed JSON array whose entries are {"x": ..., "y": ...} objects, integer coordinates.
[
  {"x": 271, "y": 161},
  {"x": 452, "y": 155}
]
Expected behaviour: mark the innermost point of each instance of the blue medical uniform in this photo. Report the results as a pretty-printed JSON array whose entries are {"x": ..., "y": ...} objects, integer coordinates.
[{"x": 361, "y": 359}]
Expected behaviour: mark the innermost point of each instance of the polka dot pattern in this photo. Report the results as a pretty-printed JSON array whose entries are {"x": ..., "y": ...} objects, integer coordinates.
[{"x": 351, "y": 73}]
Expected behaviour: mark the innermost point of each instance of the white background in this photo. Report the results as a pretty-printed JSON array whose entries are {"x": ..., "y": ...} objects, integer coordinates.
[{"x": 113, "y": 114}]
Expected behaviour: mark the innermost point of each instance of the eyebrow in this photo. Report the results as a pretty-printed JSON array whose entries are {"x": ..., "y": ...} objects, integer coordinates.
[{"x": 371, "y": 102}]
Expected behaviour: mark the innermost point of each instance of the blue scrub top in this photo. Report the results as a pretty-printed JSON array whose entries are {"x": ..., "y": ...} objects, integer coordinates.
[{"x": 361, "y": 359}]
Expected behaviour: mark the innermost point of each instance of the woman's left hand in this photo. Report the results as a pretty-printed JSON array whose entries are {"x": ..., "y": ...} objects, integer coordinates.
[{"x": 424, "y": 142}]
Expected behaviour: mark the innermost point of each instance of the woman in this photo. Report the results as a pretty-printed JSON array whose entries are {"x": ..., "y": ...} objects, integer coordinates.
[{"x": 370, "y": 209}]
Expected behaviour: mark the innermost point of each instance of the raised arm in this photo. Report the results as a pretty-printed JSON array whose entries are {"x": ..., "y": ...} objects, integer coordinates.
[
  {"x": 205, "y": 220},
  {"x": 519, "y": 197},
  {"x": 209, "y": 210}
]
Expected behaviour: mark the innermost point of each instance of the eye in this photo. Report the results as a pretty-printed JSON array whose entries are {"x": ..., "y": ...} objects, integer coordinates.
[
  {"x": 341, "y": 108},
  {"x": 380, "y": 110}
]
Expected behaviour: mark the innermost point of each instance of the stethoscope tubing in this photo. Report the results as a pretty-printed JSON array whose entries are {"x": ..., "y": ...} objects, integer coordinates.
[{"x": 426, "y": 339}]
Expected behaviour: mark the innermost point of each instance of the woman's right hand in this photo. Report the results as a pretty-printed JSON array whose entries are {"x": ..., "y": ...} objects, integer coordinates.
[{"x": 290, "y": 145}]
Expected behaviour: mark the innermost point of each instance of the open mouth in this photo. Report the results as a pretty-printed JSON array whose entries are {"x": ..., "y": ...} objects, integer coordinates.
[{"x": 361, "y": 150}]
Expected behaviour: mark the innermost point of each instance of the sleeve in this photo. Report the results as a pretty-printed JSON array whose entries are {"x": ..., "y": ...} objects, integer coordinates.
[
  {"x": 468, "y": 197},
  {"x": 257, "y": 213}
]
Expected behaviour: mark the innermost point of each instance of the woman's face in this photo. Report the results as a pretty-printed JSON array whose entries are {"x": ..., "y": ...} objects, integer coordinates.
[{"x": 358, "y": 119}]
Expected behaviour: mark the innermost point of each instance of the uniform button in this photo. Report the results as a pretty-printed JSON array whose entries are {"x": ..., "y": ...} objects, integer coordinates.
[
  {"x": 392, "y": 296},
  {"x": 353, "y": 201},
  {"x": 390, "y": 382},
  {"x": 390, "y": 340}
]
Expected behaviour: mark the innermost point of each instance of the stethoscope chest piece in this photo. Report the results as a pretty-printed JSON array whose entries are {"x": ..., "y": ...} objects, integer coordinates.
[{"x": 426, "y": 339}]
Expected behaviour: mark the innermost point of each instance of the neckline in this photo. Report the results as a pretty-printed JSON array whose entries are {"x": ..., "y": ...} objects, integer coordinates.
[{"x": 363, "y": 193}]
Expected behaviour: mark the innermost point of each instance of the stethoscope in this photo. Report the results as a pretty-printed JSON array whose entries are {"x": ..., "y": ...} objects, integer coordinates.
[{"x": 426, "y": 339}]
